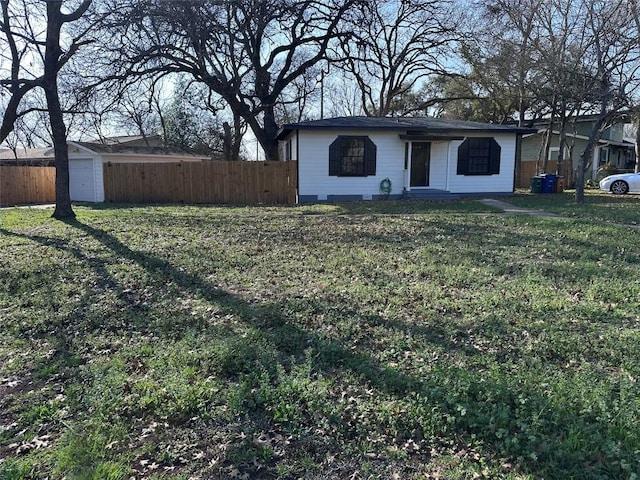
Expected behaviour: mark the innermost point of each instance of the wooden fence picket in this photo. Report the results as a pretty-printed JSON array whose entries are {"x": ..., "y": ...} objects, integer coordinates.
[
  {"x": 247, "y": 183},
  {"x": 24, "y": 184}
]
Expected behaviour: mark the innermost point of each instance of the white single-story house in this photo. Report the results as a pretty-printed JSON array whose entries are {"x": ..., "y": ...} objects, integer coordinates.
[
  {"x": 87, "y": 160},
  {"x": 359, "y": 158}
]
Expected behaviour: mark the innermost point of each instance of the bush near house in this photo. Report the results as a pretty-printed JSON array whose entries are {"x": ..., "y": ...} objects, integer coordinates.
[{"x": 390, "y": 340}]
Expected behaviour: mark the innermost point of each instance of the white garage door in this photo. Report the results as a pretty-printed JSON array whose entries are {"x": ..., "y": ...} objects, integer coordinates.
[{"x": 82, "y": 186}]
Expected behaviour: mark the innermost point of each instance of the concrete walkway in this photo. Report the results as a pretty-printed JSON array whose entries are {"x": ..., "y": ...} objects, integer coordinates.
[{"x": 509, "y": 209}]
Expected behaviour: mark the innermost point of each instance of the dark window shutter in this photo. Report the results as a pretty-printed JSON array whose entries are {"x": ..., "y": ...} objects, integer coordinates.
[
  {"x": 335, "y": 153},
  {"x": 463, "y": 158},
  {"x": 370, "y": 153},
  {"x": 406, "y": 156},
  {"x": 494, "y": 157}
]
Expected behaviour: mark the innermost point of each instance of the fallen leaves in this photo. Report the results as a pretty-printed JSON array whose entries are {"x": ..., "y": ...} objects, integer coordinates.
[
  {"x": 37, "y": 442},
  {"x": 421, "y": 327},
  {"x": 9, "y": 382}
]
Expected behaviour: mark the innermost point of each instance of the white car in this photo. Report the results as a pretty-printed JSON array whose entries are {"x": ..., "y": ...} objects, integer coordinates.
[{"x": 621, "y": 184}]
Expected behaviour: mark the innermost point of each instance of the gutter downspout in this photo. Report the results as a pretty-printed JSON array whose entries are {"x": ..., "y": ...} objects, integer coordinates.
[
  {"x": 405, "y": 173},
  {"x": 446, "y": 178},
  {"x": 297, "y": 166}
]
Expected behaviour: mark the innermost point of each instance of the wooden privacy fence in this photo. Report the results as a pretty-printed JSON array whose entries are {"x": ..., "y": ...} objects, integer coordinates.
[
  {"x": 247, "y": 183},
  {"x": 27, "y": 185},
  {"x": 528, "y": 170}
]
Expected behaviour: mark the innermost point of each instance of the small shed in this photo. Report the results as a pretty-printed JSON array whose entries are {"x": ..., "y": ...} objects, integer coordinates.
[{"x": 87, "y": 160}]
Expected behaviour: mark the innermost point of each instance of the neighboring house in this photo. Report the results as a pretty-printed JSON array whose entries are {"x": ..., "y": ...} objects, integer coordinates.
[
  {"x": 87, "y": 161},
  {"x": 612, "y": 148},
  {"x": 33, "y": 157},
  {"x": 348, "y": 158}
]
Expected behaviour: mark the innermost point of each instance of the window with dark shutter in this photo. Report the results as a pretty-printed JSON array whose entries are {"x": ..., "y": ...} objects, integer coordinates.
[
  {"x": 479, "y": 156},
  {"x": 370, "y": 154},
  {"x": 353, "y": 156}
]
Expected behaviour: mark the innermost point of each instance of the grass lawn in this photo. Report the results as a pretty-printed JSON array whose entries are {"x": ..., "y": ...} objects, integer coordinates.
[
  {"x": 369, "y": 340},
  {"x": 599, "y": 206}
]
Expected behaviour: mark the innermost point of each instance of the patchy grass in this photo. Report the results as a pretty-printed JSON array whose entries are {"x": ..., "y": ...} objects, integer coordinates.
[
  {"x": 599, "y": 206},
  {"x": 372, "y": 340}
]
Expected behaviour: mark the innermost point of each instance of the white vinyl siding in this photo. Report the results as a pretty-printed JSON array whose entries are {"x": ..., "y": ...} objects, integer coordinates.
[
  {"x": 501, "y": 183},
  {"x": 99, "y": 178},
  {"x": 313, "y": 166}
]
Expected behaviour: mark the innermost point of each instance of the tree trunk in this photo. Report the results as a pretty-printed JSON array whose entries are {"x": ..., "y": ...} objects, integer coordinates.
[
  {"x": 267, "y": 135},
  {"x": 236, "y": 144},
  {"x": 562, "y": 141},
  {"x": 227, "y": 142},
  {"x": 53, "y": 52},
  {"x": 637, "y": 146},
  {"x": 582, "y": 162},
  {"x": 232, "y": 138},
  {"x": 547, "y": 141},
  {"x": 63, "y": 198},
  {"x": 580, "y": 179}
]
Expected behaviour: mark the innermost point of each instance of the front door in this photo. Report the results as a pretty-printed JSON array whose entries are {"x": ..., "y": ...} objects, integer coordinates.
[{"x": 420, "y": 157}]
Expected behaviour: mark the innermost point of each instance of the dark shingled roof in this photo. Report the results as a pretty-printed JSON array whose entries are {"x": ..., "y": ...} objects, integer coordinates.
[
  {"x": 136, "y": 149},
  {"x": 422, "y": 124}
]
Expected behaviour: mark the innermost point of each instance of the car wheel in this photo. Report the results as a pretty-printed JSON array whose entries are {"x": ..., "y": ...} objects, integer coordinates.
[{"x": 619, "y": 187}]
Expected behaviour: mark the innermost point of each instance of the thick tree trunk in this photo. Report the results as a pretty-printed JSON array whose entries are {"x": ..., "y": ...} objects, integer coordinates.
[
  {"x": 10, "y": 115},
  {"x": 238, "y": 133},
  {"x": 267, "y": 135},
  {"x": 232, "y": 138},
  {"x": 63, "y": 198},
  {"x": 582, "y": 162},
  {"x": 53, "y": 52},
  {"x": 227, "y": 142}
]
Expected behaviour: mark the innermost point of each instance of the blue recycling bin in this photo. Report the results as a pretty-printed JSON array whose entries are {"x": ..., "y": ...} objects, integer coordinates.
[{"x": 548, "y": 183}]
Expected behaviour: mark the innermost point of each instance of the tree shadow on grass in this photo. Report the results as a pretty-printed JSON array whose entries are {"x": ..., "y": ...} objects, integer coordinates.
[{"x": 509, "y": 418}]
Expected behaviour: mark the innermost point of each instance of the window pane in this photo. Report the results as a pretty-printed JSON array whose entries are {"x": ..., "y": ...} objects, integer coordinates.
[
  {"x": 478, "y": 164},
  {"x": 604, "y": 155},
  {"x": 478, "y": 156},
  {"x": 352, "y": 156},
  {"x": 479, "y": 153}
]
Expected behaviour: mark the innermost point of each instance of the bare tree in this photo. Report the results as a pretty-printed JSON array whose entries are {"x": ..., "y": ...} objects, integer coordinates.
[
  {"x": 247, "y": 51},
  {"x": 500, "y": 60},
  {"x": 395, "y": 46},
  {"x": 139, "y": 109},
  {"x": 36, "y": 59},
  {"x": 570, "y": 57},
  {"x": 341, "y": 96},
  {"x": 565, "y": 84},
  {"x": 190, "y": 121},
  {"x": 614, "y": 58},
  {"x": 486, "y": 93},
  {"x": 516, "y": 25}
]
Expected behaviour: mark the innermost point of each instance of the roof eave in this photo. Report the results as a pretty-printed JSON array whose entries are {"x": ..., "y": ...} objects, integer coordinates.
[
  {"x": 81, "y": 147},
  {"x": 287, "y": 129}
]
